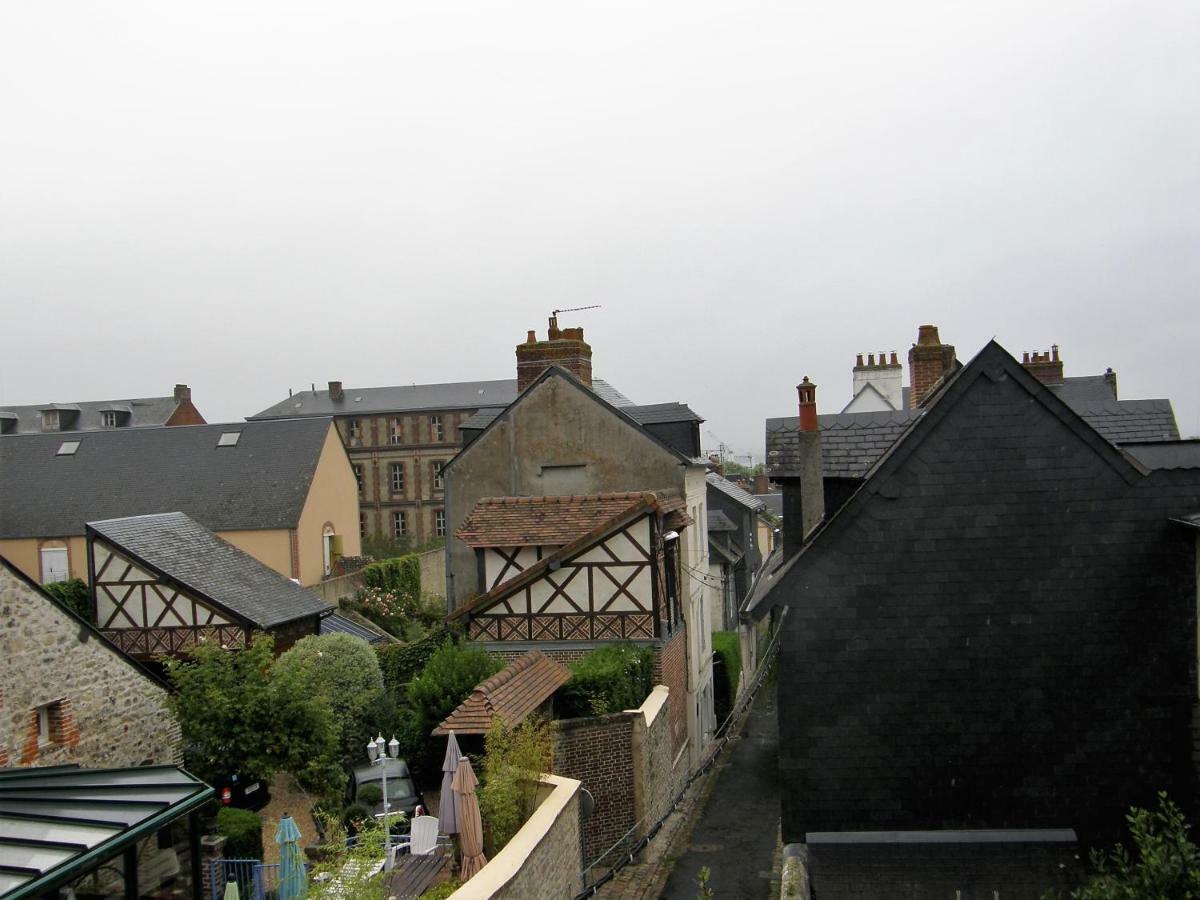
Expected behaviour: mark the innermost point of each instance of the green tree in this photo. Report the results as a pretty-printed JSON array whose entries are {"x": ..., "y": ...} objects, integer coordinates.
[
  {"x": 73, "y": 594},
  {"x": 345, "y": 672},
  {"x": 447, "y": 680},
  {"x": 237, "y": 714},
  {"x": 513, "y": 760}
]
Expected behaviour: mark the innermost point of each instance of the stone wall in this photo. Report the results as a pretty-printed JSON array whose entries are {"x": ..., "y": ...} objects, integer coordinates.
[
  {"x": 543, "y": 859},
  {"x": 433, "y": 572},
  {"x": 598, "y": 752},
  {"x": 101, "y": 709},
  {"x": 659, "y": 770}
]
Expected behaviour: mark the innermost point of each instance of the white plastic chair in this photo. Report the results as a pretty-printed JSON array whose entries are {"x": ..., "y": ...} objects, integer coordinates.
[{"x": 422, "y": 838}]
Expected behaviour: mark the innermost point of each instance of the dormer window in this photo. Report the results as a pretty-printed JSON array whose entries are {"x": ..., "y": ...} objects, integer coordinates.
[
  {"x": 50, "y": 420},
  {"x": 108, "y": 418},
  {"x": 229, "y": 439}
]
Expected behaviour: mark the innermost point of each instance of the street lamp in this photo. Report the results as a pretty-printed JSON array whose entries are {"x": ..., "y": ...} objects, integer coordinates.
[{"x": 379, "y": 752}]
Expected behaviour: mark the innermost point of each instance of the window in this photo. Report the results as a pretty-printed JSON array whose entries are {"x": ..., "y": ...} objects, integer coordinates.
[
  {"x": 49, "y": 420},
  {"x": 229, "y": 439},
  {"x": 399, "y": 524},
  {"x": 398, "y": 478},
  {"x": 43, "y": 726},
  {"x": 55, "y": 723},
  {"x": 354, "y": 430},
  {"x": 396, "y": 432},
  {"x": 67, "y": 448},
  {"x": 439, "y": 523},
  {"x": 108, "y": 418},
  {"x": 435, "y": 428},
  {"x": 358, "y": 476},
  {"x": 438, "y": 465},
  {"x": 362, "y": 524},
  {"x": 54, "y": 565}
]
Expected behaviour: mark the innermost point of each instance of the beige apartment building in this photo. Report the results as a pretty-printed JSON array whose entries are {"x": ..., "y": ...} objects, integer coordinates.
[{"x": 399, "y": 438}]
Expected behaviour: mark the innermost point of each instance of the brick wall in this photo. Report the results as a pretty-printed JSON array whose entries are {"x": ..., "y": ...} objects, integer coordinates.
[
  {"x": 102, "y": 710},
  {"x": 598, "y": 752},
  {"x": 670, "y": 668}
]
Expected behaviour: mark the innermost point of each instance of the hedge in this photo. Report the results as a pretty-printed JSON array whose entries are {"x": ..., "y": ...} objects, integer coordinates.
[
  {"x": 727, "y": 671},
  {"x": 243, "y": 833},
  {"x": 401, "y": 663},
  {"x": 401, "y": 574},
  {"x": 608, "y": 679}
]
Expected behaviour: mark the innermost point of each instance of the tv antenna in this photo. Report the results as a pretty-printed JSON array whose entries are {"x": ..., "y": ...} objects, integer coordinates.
[{"x": 574, "y": 309}]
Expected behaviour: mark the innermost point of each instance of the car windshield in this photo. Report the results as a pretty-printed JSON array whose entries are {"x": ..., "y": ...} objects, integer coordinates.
[{"x": 399, "y": 788}]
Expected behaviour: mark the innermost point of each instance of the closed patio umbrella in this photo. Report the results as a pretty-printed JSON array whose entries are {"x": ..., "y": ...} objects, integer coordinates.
[
  {"x": 447, "y": 812},
  {"x": 231, "y": 891},
  {"x": 293, "y": 880},
  {"x": 470, "y": 828}
]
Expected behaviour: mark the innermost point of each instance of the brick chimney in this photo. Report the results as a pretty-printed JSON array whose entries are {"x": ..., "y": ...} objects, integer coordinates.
[
  {"x": 336, "y": 394},
  {"x": 1045, "y": 367},
  {"x": 885, "y": 374},
  {"x": 803, "y": 478},
  {"x": 182, "y": 392},
  {"x": 564, "y": 347},
  {"x": 762, "y": 484},
  {"x": 928, "y": 360}
]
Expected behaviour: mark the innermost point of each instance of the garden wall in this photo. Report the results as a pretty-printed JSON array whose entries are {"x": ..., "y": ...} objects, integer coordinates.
[{"x": 542, "y": 859}]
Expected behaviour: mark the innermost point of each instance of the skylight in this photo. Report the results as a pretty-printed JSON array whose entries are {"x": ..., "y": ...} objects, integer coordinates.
[
  {"x": 67, "y": 448},
  {"x": 229, "y": 438}
]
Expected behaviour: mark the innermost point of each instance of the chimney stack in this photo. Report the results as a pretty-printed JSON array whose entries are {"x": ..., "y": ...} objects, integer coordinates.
[
  {"x": 808, "y": 405},
  {"x": 336, "y": 394},
  {"x": 929, "y": 361},
  {"x": 564, "y": 347},
  {"x": 182, "y": 393},
  {"x": 762, "y": 484},
  {"x": 803, "y": 477},
  {"x": 1045, "y": 367}
]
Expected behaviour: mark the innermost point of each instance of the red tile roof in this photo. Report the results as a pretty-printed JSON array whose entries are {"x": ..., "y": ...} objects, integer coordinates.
[
  {"x": 510, "y": 695},
  {"x": 541, "y": 521}
]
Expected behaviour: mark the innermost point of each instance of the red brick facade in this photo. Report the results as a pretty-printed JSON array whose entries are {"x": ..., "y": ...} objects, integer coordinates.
[
  {"x": 63, "y": 731},
  {"x": 670, "y": 668},
  {"x": 599, "y": 752}
]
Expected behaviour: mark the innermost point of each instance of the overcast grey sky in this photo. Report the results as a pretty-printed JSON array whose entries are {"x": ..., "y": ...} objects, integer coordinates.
[{"x": 255, "y": 196}]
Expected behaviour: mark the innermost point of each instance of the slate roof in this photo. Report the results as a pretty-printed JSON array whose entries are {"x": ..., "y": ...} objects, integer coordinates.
[
  {"x": 1085, "y": 389},
  {"x": 850, "y": 442},
  {"x": 59, "y": 821},
  {"x": 727, "y": 487},
  {"x": 1166, "y": 454},
  {"x": 261, "y": 483},
  {"x": 142, "y": 412},
  {"x": 650, "y": 414},
  {"x": 542, "y": 521},
  {"x": 186, "y": 552},
  {"x": 510, "y": 695},
  {"x": 413, "y": 397},
  {"x": 718, "y": 521},
  {"x": 1129, "y": 421},
  {"x": 336, "y": 623},
  {"x": 773, "y": 503}
]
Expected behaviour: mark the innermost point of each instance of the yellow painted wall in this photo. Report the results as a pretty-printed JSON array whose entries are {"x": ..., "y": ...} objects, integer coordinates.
[
  {"x": 332, "y": 498},
  {"x": 271, "y": 547},
  {"x": 24, "y": 553}
]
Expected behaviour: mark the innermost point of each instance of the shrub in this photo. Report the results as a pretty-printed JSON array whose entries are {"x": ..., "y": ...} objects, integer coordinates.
[
  {"x": 243, "y": 833},
  {"x": 728, "y": 669},
  {"x": 452, "y": 671},
  {"x": 401, "y": 574},
  {"x": 1167, "y": 863},
  {"x": 607, "y": 680},
  {"x": 73, "y": 594},
  {"x": 513, "y": 759},
  {"x": 370, "y": 795},
  {"x": 401, "y": 663},
  {"x": 344, "y": 671},
  {"x": 442, "y": 891}
]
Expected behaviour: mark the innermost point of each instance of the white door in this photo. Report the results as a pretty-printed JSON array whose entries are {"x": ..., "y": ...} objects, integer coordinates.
[{"x": 54, "y": 565}]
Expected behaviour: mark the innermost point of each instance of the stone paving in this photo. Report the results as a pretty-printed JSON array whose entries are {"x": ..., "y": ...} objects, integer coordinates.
[{"x": 729, "y": 822}]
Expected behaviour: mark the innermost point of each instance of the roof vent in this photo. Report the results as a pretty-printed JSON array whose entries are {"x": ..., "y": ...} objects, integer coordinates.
[
  {"x": 67, "y": 448},
  {"x": 229, "y": 438}
]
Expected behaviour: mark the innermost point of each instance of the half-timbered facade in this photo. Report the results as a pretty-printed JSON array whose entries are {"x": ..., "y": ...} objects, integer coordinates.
[
  {"x": 590, "y": 568},
  {"x": 162, "y": 584}
]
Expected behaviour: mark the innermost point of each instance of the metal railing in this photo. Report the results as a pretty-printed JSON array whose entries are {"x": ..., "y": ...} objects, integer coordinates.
[{"x": 255, "y": 879}]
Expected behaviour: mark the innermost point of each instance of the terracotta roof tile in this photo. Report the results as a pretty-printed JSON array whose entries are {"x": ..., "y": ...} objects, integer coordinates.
[
  {"x": 510, "y": 695},
  {"x": 541, "y": 521}
]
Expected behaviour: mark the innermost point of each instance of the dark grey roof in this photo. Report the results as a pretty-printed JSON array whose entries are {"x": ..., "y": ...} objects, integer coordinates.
[
  {"x": 142, "y": 412},
  {"x": 1085, "y": 389},
  {"x": 773, "y": 503},
  {"x": 1192, "y": 521},
  {"x": 1128, "y": 421},
  {"x": 482, "y": 418},
  {"x": 654, "y": 413},
  {"x": 1166, "y": 454},
  {"x": 413, "y": 397},
  {"x": 336, "y": 623},
  {"x": 262, "y": 482},
  {"x": 850, "y": 442},
  {"x": 718, "y": 521},
  {"x": 727, "y": 487},
  {"x": 57, "y": 822},
  {"x": 185, "y": 551}
]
